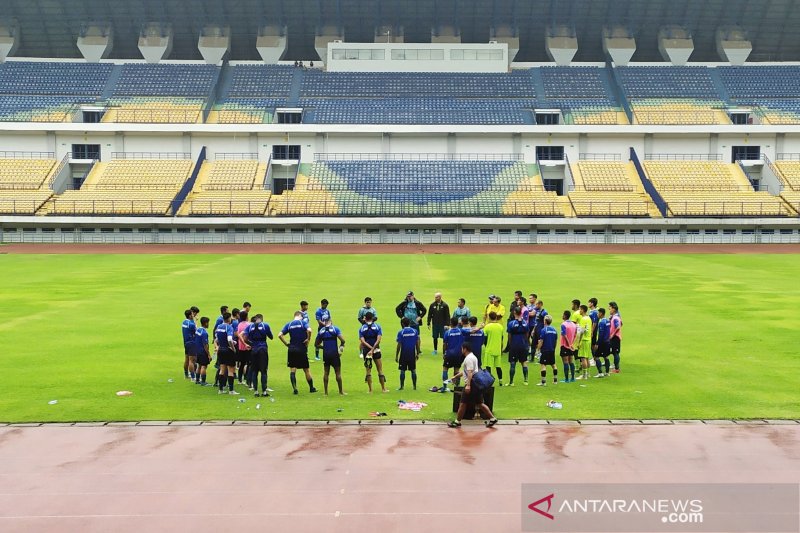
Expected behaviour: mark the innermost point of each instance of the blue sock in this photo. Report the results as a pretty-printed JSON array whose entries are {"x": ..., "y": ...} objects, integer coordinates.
[
  {"x": 566, "y": 371},
  {"x": 525, "y": 372},
  {"x": 402, "y": 378},
  {"x": 414, "y": 378},
  {"x": 293, "y": 377},
  {"x": 572, "y": 370},
  {"x": 607, "y": 365},
  {"x": 511, "y": 372},
  {"x": 444, "y": 377},
  {"x": 616, "y": 361}
]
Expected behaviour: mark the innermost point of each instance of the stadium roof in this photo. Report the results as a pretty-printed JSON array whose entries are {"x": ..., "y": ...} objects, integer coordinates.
[{"x": 49, "y": 28}]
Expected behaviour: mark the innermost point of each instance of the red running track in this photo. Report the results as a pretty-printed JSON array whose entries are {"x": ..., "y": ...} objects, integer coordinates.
[{"x": 401, "y": 478}]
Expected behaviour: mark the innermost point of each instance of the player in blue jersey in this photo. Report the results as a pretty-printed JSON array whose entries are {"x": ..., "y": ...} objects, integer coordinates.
[
  {"x": 226, "y": 356},
  {"x": 370, "y": 336},
  {"x": 602, "y": 346},
  {"x": 518, "y": 343},
  {"x": 331, "y": 341},
  {"x": 451, "y": 358},
  {"x": 255, "y": 335},
  {"x": 591, "y": 305},
  {"x": 322, "y": 315},
  {"x": 407, "y": 351},
  {"x": 188, "y": 329},
  {"x": 477, "y": 338},
  {"x": 299, "y": 334},
  {"x": 546, "y": 348},
  {"x": 222, "y": 310},
  {"x": 304, "y": 311},
  {"x": 201, "y": 351}
]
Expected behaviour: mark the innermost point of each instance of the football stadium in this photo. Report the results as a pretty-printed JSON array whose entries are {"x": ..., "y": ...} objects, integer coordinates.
[{"x": 409, "y": 265}]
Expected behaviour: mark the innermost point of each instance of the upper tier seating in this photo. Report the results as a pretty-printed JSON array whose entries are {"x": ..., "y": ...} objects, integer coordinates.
[
  {"x": 23, "y": 185},
  {"x": 710, "y": 188},
  {"x": 260, "y": 81},
  {"x": 575, "y": 83},
  {"x": 750, "y": 83},
  {"x": 53, "y": 79},
  {"x": 667, "y": 82},
  {"x": 166, "y": 80}
]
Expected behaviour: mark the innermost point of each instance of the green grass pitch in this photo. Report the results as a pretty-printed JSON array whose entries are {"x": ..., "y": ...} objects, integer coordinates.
[{"x": 706, "y": 336}]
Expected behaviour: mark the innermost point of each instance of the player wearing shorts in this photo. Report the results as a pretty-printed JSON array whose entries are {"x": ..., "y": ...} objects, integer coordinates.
[
  {"x": 495, "y": 333},
  {"x": 568, "y": 331},
  {"x": 615, "y": 334},
  {"x": 222, "y": 310},
  {"x": 602, "y": 348},
  {"x": 188, "y": 330},
  {"x": 407, "y": 352},
  {"x": 331, "y": 341},
  {"x": 584, "y": 340},
  {"x": 451, "y": 358},
  {"x": 256, "y": 335},
  {"x": 370, "y": 336},
  {"x": 297, "y": 349},
  {"x": 201, "y": 351},
  {"x": 226, "y": 354},
  {"x": 537, "y": 317},
  {"x": 518, "y": 344},
  {"x": 546, "y": 346},
  {"x": 439, "y": 316}
]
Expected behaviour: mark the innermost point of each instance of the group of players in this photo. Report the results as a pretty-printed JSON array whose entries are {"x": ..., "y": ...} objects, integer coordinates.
[{"x": 589, "y": 336}]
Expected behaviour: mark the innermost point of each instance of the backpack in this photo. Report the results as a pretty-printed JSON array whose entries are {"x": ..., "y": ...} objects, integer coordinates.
[{"x": 482, "y": 380}]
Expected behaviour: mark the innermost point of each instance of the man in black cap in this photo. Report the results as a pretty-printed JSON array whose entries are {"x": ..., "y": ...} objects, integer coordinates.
[{"x": 412, "y": 309}]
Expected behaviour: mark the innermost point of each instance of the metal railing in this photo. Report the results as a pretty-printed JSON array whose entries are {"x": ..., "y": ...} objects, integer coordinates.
[
  {"x": 151, "y": 155},
  {"x": 244, "y": 116},
  {"x": 783, "y": 183},
  {"x": 354, "y": 208},
  {"x": 683, "y": 157},
  {"x": 227, "y": 156},
  {"x": 416, "y": 157},
  {"x": 787, "y": 156},
  {"x": 724, "y": 208},
  {"x": 27, "y": 155},
  {"x": 64, "y": 162},
  {"x": 42, "y": 115},
  {"x": 601, "y": 208},
  {"x": 19, "y": 207},
  {"x": 140, "y": 207},
  {"x": 601, "y": 188},
  {"x": 227, "y": 207},
  {"x": 588, "y": 156}
]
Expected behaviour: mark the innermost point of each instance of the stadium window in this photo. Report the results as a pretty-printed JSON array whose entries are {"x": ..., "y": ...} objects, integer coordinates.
[
  {"x": 335, "y": 230},
  {"x": 542, "y": 232},
  {"x": 373, "y": 231},
  {"x": 598, "y": 232},
  {"x": 165, "y": 230},
  {"x": 53, "y": 230},
  {"x": 692, "y": 232},
  {"x": 83, "y": 230},
  {"x": 745, "y": 153},
  {"x": 92, "y": 117},
  {"x": 467, "y": 232},
  {"x": 125, "y": 230},
  {"x": 412, "y": 231},
  {"x": 69, "y": 230},
  {"x": 202, "y": 230},
  {"x": 285, "y": 152},
  {"x": 786, "y": 231},
  {"x": 429, "y": 231},
  {"x": 562, "y": 231},
  {"x": 106, "y": 230},
  {"x": 654, "y": 232},
  {"x": 523, "y": 232},
  {"x": 296, "y": 230},
  {"x": 729, "y": 232},
  {"x": 9, "y": 230},
  {"x": 487, "y": 231},
  {"x": 242, "y": 230},
  {"x": 259, "y": 230},
  {"x": 504, "y": 231},
  {"x": 317, "y": 230},
  {"x": 278, "y": 230},
  {"x": 33, "y": 230},
  {"x": 673, "y": 232},
  {"x": 550, "y": 153},
  {"x": 711, "y": 232},
  {"x": 548, "y": 118},
  {"x": 579, "y": 232},
  {"x": 637, "y": 232},
  {"x": 183, "y": 230},
  {"x": 393, "y": 231},
  {"x": 354, "y": 231},
  {"x": 618, "y": 232},
  {"x": 765, "y": 231},
  {"x": 289, "y": 117},
  {"x": 448, "y": 231},
  {"x": 86, "y": 151}
]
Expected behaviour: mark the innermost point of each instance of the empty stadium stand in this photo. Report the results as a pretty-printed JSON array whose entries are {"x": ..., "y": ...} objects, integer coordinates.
[
  {"x": 24, "y": 182},
  {"x": 770, "y": 89},
  {"x": 162, "y": 93},
  {"x": 253, "y": 93},
  {"x": 710, "y": 188},
  {"x": 139, "y": 186},
  {"x": 371, "y": 185},
  {"x": 229, "y": 187},
  {"x": 609, "y": 188}
]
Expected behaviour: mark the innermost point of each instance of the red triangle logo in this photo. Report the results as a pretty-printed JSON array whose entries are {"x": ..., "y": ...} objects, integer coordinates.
[{"x": 546, "y": 514}]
